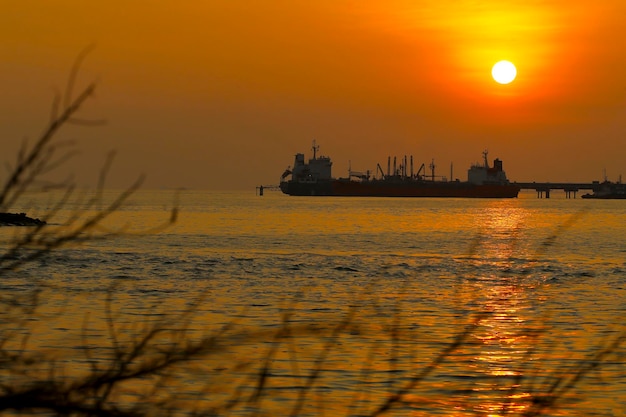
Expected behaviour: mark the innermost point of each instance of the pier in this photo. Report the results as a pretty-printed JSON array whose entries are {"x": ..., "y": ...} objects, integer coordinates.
[
  {"x": 570, "y": 188},
  {"x": 261, "y": 188}
]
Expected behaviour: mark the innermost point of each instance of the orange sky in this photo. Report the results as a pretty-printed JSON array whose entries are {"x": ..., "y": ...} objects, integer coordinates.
[{"x": 220, "y": 94}]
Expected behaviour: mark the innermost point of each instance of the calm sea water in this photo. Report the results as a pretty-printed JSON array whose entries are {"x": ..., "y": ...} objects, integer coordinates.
[{"x": 371, "y": 290}]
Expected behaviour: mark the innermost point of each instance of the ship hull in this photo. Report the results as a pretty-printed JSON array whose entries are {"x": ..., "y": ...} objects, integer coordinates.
[
  {"x": 605, "y": 197},
  {"x": 383, "y": 188},
  {"x": 320, "y": 188}
]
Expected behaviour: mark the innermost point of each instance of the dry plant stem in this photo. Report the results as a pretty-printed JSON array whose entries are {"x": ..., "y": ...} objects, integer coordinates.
[
  {"x": 42, "y": 242},
  {"x": 317, "y": 369},
  {"x": 31, "y": 165},
  {"x": 549, "y": 397},
  {"x": 33, "y": 382},
  {"x": 37, "y": 159},
  {"x": 415, "y": 380}
]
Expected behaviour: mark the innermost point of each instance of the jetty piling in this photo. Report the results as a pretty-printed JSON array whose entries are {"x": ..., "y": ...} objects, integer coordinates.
[{"x": 260, "y": 189}]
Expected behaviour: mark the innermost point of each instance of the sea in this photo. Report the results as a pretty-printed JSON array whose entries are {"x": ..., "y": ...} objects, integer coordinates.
[{"x": 331, "y": 306}]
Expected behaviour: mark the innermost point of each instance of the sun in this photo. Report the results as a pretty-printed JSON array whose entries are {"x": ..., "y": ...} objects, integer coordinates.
[{"x": 504, "y": 72}]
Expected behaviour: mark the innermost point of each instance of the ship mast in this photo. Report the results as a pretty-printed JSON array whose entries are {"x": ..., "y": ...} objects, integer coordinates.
[
  {"x": 315, "y": 149},
  {"x": 432, "y": 169},
  {"x": 485, "y": 153}
]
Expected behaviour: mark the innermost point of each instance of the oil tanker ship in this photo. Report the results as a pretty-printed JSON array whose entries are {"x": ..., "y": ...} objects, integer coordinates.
[{"x": 314, "y": 178}]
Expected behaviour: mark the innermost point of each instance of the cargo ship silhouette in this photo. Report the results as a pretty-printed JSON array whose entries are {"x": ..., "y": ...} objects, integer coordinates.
[{"x": 314, "y": 178}]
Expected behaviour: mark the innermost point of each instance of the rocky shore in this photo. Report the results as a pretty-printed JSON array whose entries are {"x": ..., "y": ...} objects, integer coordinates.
[{"x": 19, "y": 219}]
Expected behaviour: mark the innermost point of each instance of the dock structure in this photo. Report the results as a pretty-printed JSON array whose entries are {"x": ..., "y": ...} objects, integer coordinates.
[
  {"x": 570, "y": 188},
  {"x": 261, "y": 188}
]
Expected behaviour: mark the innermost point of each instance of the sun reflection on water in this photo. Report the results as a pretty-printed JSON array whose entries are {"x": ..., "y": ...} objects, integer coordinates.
[{"x": 504, "y": 335}]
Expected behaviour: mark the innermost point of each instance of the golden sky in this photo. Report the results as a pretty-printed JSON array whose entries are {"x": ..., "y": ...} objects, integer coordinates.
[{"x": 220, "y": 94}]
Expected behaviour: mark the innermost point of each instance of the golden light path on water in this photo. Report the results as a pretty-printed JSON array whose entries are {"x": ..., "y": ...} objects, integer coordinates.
[{"x": 370, "y": 292}]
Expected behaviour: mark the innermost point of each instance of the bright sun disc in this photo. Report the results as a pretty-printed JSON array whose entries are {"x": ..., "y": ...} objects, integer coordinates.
[{"x": 503, "y": 72}]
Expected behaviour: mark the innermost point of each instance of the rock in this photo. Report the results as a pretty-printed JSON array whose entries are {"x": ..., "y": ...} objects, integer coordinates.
[{"x": 19, "y": 219}]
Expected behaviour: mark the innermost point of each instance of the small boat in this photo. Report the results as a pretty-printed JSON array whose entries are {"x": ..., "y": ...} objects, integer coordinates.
[
  {"x": 314, "y": 178},
  {"x": 608, "y": 190}
]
